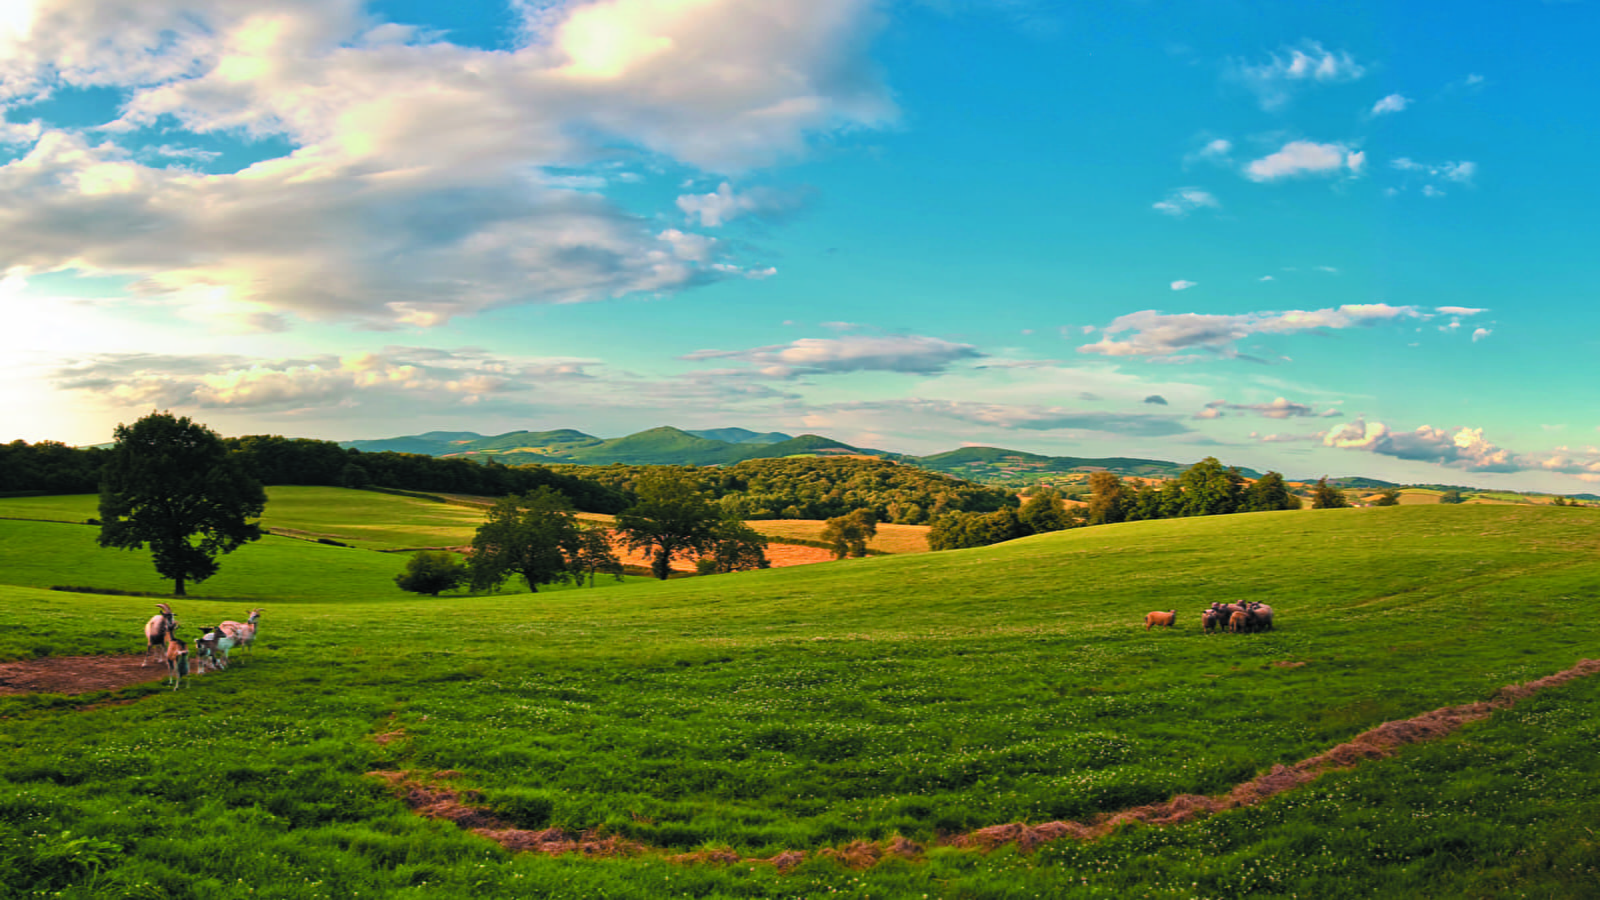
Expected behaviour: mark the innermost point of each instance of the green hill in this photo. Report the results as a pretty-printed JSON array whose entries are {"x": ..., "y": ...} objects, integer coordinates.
[{"x": 769, "y": 734}]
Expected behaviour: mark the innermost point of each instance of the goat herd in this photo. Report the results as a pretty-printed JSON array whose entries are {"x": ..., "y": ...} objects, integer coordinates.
[
  {"x": 1244, "y": 616},
  {"x": 210, "y": 648}
]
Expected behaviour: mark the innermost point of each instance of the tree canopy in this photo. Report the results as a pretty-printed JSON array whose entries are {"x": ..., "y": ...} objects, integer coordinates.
[
  {"x": 670, "y": 520},
  {"x": 169, "y": 482},
  {"x": 535, "y": 535}
]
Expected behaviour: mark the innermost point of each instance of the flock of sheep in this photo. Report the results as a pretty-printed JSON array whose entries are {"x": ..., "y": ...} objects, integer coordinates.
[
  {"x": 211, "y": 647},
  {"x": 1245, "y": 616}
]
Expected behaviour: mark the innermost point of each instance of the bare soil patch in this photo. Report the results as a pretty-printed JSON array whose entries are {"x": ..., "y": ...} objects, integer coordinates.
[{"x": 76, "y": 674}]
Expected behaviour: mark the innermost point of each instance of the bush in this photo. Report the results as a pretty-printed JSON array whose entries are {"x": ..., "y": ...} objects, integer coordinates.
[{"x": 432, "y": 571}]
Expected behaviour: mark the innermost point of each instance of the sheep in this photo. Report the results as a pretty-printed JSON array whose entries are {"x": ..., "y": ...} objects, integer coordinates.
[
  {"x": 156, "y": 631},
  {"x": 1239, "y": 621},
  {"x": 1260, "y": 617},
  {"x": 1160, "y": 618},
  {"x": 1211, "y": 620},
  {"x": 243, "y": 633},
  {"x": 177, "y": 659}
]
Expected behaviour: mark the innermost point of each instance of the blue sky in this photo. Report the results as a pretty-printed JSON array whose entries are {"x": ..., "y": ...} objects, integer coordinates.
[{"x": 1315, "y": 238}]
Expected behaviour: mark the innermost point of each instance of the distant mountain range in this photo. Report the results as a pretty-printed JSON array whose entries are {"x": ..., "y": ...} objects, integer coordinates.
[{"x": 725, "y": 446}]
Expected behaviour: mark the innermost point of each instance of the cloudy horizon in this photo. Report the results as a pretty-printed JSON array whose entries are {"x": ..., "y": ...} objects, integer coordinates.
[{"x": 1303, "y": 241}]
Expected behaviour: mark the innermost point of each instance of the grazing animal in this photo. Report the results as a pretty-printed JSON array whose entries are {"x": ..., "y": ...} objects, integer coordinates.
[
  {"x": 1211, "y": 620},
  {"x": 1260, "y": 617},
  {"x": 177, "y": 659},
  {"x": 217, "y": 644},
  {"x": 205, "y": 649},
  {"x": 1160, "y": 618},
  {"x": 1239, "y": 621},
  {"x": 156, "y": 632},
  {"x": 243, "y": 633}
]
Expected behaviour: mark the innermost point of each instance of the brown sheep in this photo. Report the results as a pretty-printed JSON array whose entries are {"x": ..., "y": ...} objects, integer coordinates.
[
  {"x": 1211, "y": 620},
  {"x": 1160, "y": 618},
  {"x": 1240, "y": 621}
]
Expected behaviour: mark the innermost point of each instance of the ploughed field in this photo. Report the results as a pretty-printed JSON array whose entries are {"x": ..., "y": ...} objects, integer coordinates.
[{"x": 859, "y": 727}]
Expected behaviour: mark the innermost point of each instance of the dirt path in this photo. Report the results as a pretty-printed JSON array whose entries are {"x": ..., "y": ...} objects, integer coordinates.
[
  {"x": 76, "y": 674},
  {"x": 427, "y": 796}
]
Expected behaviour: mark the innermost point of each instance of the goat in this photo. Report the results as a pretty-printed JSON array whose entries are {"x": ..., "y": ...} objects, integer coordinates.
[
  {"x": 177, "y": 659},
  {"x": 243, "y": 633},
  {"x": 156, "y": 632},
  {"x": 217, "y": 643},
  {"x": 1160, "y": 618},
  {"x": 205, "y": 649}
]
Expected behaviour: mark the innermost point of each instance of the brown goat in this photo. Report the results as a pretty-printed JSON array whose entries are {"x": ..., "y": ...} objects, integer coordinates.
[{"x": 1160, "y": 618}]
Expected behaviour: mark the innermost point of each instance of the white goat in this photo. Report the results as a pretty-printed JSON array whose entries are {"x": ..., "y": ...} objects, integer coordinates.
[
  {"x": 205, "y": 649},
  {"x": 214, "y": 644},
  {"x": 156, "y": 633},
  {"x": 243, "y": 633}
]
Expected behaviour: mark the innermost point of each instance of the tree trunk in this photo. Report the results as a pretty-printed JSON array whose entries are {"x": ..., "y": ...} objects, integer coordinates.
[{"x": 177, "y": 587}]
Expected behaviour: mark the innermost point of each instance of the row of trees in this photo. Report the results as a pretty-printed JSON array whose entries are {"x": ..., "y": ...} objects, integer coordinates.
[
  {"x": 1207, "y": 488},
  {"x": 537, "y": 536},
  {"x": 49, "y": 467},
  {"x": 820, "y": 487}
]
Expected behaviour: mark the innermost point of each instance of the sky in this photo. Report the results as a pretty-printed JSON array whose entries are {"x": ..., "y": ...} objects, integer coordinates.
[{"x": 1321, "y": 239}]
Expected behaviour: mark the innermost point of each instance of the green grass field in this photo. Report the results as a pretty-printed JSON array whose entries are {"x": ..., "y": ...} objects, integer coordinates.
[{"x": 803, "y": 709}]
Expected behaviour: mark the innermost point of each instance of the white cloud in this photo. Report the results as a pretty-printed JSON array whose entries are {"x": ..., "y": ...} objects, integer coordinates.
[
  {"x": 856, "y": 353},
  {"x": 1182, "y": 201},
  {"x": 1160, "y": 335},
  {"x": 1266, "y": 278},
  {"x": 724, "y": 205},
  {"x": 1181, "y": 285},
  {"x": 1391, "y": 104},
  {"x": 422, "y": 375},
  {"x": 1299, "y": 158},
  {"x": 427, "y": 180},
  {"x": 1275, "y": 80},
  {"x": 1480, "y": 334}
]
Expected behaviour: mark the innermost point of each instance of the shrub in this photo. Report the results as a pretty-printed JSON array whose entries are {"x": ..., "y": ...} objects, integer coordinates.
[{"x": 432, "y": 571}]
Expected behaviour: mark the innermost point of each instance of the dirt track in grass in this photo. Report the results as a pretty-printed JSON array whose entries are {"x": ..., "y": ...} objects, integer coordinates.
[
  {"x": 76, "y": 674},
  {"x": 432, "y": 796}
]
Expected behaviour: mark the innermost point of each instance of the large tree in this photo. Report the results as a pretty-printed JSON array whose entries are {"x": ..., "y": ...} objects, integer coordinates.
[
  {"x": 535, "y": 535},
  {"x": 171, "y": 483},
  {"x": 670, "y": 520},
  {"x": 849, "y": 534}
]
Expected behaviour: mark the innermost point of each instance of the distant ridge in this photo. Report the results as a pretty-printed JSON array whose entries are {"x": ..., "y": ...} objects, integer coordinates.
[{"x": 725, "y": 446}]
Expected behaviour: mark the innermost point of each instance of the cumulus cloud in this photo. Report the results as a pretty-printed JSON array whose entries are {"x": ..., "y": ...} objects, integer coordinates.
[
  {"x": 1285, "y": 71},
  {"x": 1301, "y": 158},
  {"x": 1391, "y": 104},
  {"x": 1181, "y": 285},
  {"x": 1157, "y": 334},
  {"x": 1464, "y": 448},
  {"x": 426, "y": 179},
  {"x": 1480, "y": 334},
  {"x": 1182, "y": 201},
  {"x": 913, "y": 354},
  {"x": 1156, "y": 399}
]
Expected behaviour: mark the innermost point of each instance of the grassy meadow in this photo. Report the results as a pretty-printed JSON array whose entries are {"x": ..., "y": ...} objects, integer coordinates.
[{"x": 915, "y": 696}]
